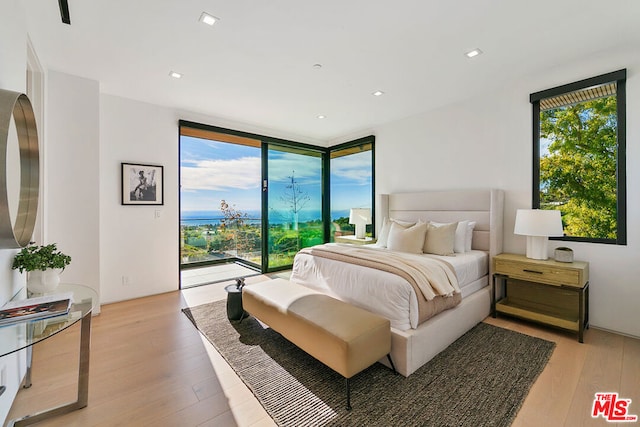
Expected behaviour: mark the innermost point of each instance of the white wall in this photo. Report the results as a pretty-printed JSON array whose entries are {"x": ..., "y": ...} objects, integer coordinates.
[
  {"x": 13, "y": 64},
  {"x": 135, "y": 242},
  {"x": 486, "y": 142},
  {"x": 72, "y": 174}
]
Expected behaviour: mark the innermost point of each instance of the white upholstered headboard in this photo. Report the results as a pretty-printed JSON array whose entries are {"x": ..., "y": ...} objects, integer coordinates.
[{"x": 483, "y": 206}]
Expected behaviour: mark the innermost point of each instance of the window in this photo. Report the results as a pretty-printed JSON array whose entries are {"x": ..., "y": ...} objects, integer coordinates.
[
  {"x": 351, "y": 184},
  {"x": 579, "y": 157},
  {"x": 259, "y": 200}
]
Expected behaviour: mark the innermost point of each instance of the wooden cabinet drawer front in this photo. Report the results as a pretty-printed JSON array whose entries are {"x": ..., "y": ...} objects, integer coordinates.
[{"x": 538, "y": 273}]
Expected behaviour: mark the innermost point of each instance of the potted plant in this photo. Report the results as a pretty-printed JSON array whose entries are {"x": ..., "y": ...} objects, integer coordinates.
[{"x": 43, "y": 265}]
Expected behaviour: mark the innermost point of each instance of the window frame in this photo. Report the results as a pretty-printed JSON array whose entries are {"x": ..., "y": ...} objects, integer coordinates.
[{"x": 621, "y": 176}]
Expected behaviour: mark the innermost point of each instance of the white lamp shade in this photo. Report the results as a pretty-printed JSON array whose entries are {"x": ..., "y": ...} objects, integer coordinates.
[
  {"x": 360, "y": 216},
  {"x": 538, "y": 222},
  {"x": 538, "y": 225}
]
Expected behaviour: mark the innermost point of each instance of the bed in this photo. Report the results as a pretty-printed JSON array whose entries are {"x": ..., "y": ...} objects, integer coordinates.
[{"x": 414, "y": 341}]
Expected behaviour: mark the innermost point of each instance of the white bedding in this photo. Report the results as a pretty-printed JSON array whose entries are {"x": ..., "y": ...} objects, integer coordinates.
[
  {"x": 367, "y": 288},
  {"x": 469, "y": 266}
]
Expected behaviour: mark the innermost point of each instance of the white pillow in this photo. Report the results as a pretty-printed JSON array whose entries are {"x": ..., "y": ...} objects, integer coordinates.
[
  {"x": 467, "y": 243},
  {"x": 409, "y": 239},
  {"x": 460, "y": 235},
  {"x": 440, "y": 239},
  {"x": 405, "y": 224},
  {"x": 386, "y": 226},
  {"x": 384, "y": 232}
]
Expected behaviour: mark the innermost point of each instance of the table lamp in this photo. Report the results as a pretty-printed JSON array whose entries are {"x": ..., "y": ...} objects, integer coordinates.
[
  {"x": 360, "y": 217},
  {"x": 538, "y": 225}
]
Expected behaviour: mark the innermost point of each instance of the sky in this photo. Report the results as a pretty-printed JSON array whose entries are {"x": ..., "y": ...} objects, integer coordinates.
[
  {"x": 212, "y": 171},
  {"x": 351, "y": 181}
]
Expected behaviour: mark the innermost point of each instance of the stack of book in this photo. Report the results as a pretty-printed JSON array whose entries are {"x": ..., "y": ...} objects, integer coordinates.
[{"x": 35, "y": 308}]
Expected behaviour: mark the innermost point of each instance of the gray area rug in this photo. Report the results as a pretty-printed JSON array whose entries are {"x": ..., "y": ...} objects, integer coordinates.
[{"x": 479, "y": 380}]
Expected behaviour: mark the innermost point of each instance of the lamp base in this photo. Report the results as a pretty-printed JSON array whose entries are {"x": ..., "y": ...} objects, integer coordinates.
[
  {"x": 361, "y": 231},
  {"x": 537, "y": 247}
]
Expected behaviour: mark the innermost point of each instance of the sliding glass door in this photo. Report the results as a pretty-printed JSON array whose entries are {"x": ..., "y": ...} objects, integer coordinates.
[
  {"x": 293, "y": 202},
  {"x": 220, "y": 198}
]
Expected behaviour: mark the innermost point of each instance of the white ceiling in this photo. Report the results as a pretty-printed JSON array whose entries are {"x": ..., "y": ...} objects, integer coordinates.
[{"x": 256, "y": 64}]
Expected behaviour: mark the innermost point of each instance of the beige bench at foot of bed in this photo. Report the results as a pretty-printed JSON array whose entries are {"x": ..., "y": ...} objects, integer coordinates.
[{"x": 347, "y": 339}]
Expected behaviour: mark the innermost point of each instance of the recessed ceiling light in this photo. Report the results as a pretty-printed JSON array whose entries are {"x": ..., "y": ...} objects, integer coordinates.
[
  {"x": 378, "y": 93},
  {"x": 322, "y": 117},
  {"x": 175, "y": 75},
  {"x": 473, "y": 53},
  {"x": 208, "y": 19}
]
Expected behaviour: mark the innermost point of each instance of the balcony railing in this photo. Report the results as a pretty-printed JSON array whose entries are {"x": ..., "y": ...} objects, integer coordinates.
[{"x": 205, "y": 239}]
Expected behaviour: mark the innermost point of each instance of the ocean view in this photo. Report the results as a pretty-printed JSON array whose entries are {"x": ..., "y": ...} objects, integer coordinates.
[{"x": 193, "y": 218}]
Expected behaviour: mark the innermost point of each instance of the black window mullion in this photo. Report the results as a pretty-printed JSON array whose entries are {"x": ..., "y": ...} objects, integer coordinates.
[
  {"x": 535, "y": 191},
  {"x": 622, "y": 161}
]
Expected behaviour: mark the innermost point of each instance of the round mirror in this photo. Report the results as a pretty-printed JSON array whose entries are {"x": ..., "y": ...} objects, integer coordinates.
[{"x": 19, "y": 174}]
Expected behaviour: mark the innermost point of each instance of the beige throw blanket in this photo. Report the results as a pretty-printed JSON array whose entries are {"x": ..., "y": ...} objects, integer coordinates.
[{"x": 431, "y": 276}]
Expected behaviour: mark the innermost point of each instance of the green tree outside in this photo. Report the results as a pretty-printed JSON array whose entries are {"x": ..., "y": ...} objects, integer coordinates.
[
  {"x": 236, "y": 235},
  {"x": 578, "y": 169}
]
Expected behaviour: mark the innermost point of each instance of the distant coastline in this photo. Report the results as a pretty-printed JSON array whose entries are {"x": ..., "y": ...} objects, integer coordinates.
[{"x": 195, "y": 218}]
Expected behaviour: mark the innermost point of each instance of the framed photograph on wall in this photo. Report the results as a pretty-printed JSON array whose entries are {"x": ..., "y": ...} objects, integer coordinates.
[{"x": 142, "y": 184}]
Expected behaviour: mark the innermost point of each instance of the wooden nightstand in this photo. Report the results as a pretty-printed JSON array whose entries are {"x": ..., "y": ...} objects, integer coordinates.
[
  {"x": 354, "y": 240},
  {"x": 545, "y": 291}
]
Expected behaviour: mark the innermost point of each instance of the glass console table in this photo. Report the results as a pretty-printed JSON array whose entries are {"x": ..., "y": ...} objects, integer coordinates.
[{"x": 24, "y": 335}]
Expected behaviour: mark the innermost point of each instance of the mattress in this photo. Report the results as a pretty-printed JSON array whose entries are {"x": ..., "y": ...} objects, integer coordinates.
[
  {"x": 382, "y": 292},
  {"x": 469, "y": 267}
]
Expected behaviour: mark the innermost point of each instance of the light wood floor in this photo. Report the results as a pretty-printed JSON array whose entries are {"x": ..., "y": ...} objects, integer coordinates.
[{"x": 149, "y": 366}]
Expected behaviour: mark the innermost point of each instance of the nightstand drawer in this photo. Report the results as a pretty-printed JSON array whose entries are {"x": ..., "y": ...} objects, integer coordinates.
[{"x": 538, "y": 273}]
